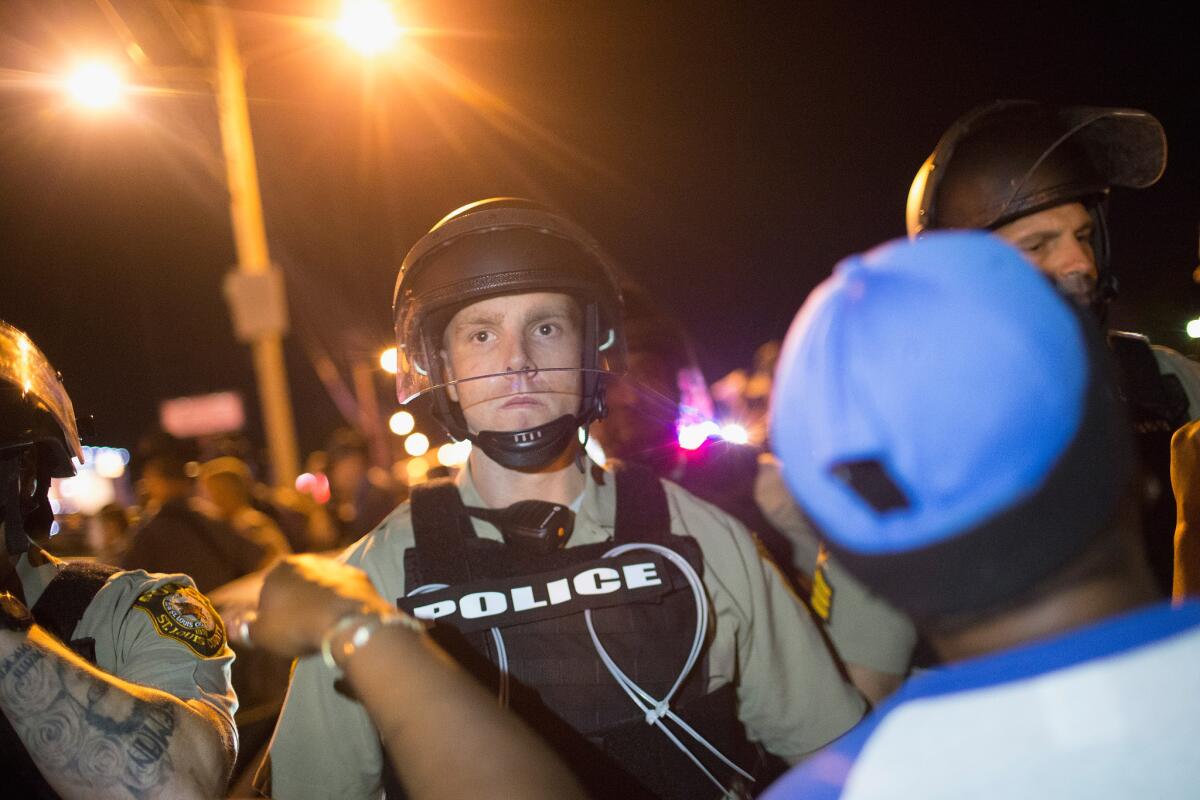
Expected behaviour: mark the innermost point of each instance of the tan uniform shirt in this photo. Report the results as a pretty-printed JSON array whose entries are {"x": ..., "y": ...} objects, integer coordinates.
[
  {"x": 1172, "y": 362},
  {"x": 153, "y": 630},
  {"x": 865, "y": 629},
  {"x": 790, "y": 695}
]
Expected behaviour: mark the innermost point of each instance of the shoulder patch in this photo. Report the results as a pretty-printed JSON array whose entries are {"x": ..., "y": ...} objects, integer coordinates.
[
  {"x": 821, "y": 598},
  {"x": 822, "y": 595},
  {"x": 180, "y": 612}
]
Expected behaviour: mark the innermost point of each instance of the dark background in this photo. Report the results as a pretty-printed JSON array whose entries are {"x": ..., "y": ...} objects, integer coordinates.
[{"x": 728, "y": 154}]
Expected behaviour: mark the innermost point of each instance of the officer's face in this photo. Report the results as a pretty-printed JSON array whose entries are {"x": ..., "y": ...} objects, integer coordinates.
[
  {"x": 1059, "y": 242},
  {"x": 518, "y": 340}
]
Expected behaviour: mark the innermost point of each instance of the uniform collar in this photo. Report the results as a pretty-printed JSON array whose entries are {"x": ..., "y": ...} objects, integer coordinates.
[
  {"x": 35, "y": 579},
  {"x": 594, "y": 521}
]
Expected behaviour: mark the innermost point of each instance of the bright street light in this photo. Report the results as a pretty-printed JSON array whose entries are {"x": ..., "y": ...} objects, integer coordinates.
[
  {"x": 417, "y": 444},
  {"x": 402, "y": 423},
  {"x": 95, "y": 85},
  {"x": 1193, "y": 328},
  {"x": 387, "y": 360},
  {"x": 368, "y": 26}
]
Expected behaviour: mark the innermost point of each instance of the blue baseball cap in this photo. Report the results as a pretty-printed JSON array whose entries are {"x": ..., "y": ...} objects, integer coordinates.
[{"x": 947, "y": 420}]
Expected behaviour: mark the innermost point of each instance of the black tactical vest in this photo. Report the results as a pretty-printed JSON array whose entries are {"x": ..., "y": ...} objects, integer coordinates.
[
  {"x": 558, "y": 683},
  {"x": 57, "y": 611},
  {"x": 1157, "y": 406}
]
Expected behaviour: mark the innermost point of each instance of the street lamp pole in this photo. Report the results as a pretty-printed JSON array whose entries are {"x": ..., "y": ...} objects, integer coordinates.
[{"x": 255, "y": 289}]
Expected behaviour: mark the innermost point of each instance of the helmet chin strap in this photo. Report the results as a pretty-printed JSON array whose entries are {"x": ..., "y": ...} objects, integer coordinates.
[
  {"x": 531, "y": 448},
  {"x": 1106, "y": 284},
  {"x": 16, "y": 540}
]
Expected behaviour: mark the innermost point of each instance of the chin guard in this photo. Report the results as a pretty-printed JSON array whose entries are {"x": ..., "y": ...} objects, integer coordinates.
[
  {"x": 531, "y": 448},
  {"x": 532, "y": 526},
  {"x": 16, "y": 541}
]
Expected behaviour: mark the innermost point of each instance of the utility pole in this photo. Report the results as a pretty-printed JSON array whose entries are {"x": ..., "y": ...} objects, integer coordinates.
[{"x": 255, "y": 289}]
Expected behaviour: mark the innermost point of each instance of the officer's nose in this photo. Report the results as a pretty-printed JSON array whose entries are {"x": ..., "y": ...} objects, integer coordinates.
[
  {"x": 517, "y": 358},
  {"x": 1076, "y": 261}
]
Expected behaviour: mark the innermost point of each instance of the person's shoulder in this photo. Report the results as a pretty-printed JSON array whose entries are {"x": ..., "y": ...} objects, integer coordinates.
[
  {"x": 1185, "y": 370},
  {"x": 687, "y": 507},
  {"x": 168, "y": 604},
  {"x": 160, "y": 631},
  {"x": 385, "y": 543},
  {"x": 712, "y": 528},
  {"x": 1174, "y": 361},
  {"x": 774, "y": 498},
  {"x": 824, "y": 775},
  {"x": 137, "y": 581}
]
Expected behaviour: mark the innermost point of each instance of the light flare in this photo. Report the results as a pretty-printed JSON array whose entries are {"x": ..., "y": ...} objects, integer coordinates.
[
  {"x": 95, "y": 85},
  {"x": 368, "y": 26}
]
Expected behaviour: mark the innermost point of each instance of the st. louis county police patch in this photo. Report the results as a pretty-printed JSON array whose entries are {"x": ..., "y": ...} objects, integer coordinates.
[{"x": 182, "y": 613}]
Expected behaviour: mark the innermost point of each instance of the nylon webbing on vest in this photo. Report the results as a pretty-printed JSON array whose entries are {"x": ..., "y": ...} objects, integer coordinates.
[
  {"x": 642, "y": 512},
  {"x": 59, "y": 609},
  {"x": 441, "y": 528},
  {"x": 68, "y": 595}
]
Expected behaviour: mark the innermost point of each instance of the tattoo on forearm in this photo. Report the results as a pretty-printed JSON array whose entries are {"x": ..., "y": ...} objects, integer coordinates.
[{"x": 81, "y": 742}]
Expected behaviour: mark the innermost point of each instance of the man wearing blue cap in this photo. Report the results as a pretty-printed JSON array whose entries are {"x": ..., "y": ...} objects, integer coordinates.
[{"x": 949, "y": 423}]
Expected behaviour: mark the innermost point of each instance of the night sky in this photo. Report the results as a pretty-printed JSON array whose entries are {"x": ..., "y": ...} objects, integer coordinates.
[{"x": 728, "y": 154}]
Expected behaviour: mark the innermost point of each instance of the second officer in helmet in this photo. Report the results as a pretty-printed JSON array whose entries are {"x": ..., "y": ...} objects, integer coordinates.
[
  {"x": 635, "y": 626},
  {"x": 1039, "y": 177}
]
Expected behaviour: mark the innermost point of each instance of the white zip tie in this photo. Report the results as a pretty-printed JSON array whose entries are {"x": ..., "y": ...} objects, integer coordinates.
[{"x": 655, "y": 710}]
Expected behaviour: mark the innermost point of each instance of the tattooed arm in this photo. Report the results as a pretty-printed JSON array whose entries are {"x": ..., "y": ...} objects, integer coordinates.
[{"x": 93, "y": 735}]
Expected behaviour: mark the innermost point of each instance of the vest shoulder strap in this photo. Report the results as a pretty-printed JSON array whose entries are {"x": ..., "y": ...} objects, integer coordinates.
[
  {"x": 68, "y": 595},
  {"x": 439, "y": 533},
  {"x": 642, "y": 511}
]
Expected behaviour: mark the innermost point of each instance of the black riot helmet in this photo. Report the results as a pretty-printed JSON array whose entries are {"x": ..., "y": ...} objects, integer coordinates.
[
  {"x": 492, "y": 248},
  {"x": 1012, "y": 158},
  {"x": 38, "y": 436}
]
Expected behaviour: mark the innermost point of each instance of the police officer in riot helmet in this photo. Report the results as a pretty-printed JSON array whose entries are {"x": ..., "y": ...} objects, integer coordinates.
[
  {"x": 134, "y": 667},
  {"x": 1039, "y": 176},
  {"x": 581, "y": 594},
  {"x": 502, "y": 255}
]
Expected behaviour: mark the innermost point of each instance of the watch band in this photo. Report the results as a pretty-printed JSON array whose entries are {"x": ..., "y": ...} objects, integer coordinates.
[{"x": 360, "y": 627}]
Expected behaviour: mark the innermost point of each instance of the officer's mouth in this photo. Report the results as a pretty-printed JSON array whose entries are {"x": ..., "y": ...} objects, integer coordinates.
[{"x": 522, "y": 401}]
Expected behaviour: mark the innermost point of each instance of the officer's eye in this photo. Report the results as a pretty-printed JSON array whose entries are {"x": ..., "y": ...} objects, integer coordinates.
[
  {"x": 481, "y": 337},
  {"x": 546, "y": 329}
]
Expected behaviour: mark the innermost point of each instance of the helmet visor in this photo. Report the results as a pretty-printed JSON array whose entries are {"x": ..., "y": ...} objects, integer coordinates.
[
  {"x": 520, "y": 399},
  {"x": 38, "y": 387},
  {"x": 530, "y": 344}
]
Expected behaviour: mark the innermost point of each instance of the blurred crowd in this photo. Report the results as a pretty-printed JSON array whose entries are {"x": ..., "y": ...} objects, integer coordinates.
[{"x": 209, "y": 501}]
